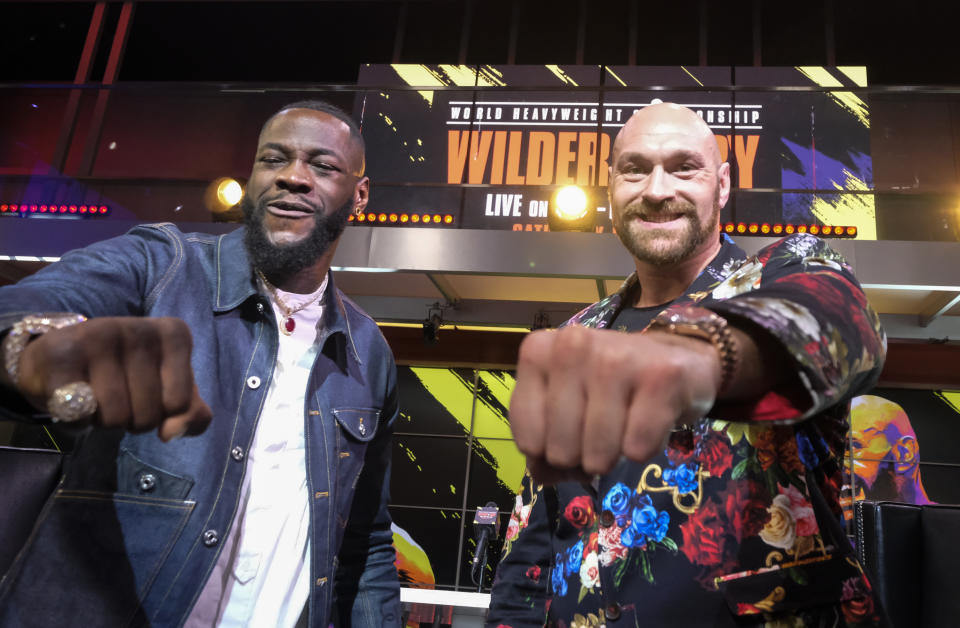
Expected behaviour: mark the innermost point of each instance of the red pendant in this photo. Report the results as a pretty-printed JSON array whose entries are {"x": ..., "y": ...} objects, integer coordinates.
[{"x": 289, "y": 325}]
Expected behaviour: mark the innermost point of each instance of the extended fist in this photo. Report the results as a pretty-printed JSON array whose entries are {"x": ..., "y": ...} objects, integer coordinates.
[
  {"x": 139, "y": 370},
  {"x": 586, "y": 397}
]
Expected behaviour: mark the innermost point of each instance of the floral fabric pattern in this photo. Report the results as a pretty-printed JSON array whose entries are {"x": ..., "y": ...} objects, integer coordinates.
[{"x": 739, "y": 516}]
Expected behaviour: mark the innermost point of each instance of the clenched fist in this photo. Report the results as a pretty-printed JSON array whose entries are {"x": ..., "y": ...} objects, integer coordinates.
[
  {"x": 139, "y": 369},
  {"x": 586, "y": 397}
]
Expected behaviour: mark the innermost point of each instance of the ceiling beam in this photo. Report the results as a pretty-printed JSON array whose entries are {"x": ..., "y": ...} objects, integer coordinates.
[
  {"x": 601, "y": 289},
  {"x": 938, "y": 307},
  {"x": 446, "y": 290}
]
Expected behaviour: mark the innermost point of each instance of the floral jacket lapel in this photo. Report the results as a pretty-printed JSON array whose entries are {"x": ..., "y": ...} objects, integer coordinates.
[{"x": 602, "y": 313}]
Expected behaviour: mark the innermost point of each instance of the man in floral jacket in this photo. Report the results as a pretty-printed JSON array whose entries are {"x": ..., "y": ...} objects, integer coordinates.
[{"x": 689, "y": 475}]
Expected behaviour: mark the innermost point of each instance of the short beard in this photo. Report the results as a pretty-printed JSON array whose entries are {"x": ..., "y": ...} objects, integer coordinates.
[
  {"x": 280, "y": 262},
  {"x": 652, "y": 246}
]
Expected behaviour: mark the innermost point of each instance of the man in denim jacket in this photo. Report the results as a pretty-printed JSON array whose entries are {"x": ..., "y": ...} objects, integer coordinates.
[{"x": 237, "y": 469}]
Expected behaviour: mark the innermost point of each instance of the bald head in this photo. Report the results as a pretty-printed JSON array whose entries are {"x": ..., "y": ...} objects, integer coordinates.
[
  {"x": 666, "y": 188},
  {"x": 665, "y": 119}
]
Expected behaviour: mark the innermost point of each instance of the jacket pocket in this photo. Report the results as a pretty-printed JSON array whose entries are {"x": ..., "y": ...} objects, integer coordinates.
[
  {"x": 91, "y": 559},
  {"x": 357, "y": 427},
  {"x": 360, "y": 424},
  {"x": 136, "y": 477}
]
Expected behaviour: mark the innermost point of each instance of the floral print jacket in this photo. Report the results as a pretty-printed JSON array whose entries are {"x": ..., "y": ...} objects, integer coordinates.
[{"x": 738, "y": 521}]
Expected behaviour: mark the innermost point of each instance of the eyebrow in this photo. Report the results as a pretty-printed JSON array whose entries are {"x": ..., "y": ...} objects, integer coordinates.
[
  {"x": 680, "y": 153},
  {"x": 312, "y": 153}
]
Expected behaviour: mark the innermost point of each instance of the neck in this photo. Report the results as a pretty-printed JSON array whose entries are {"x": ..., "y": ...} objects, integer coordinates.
[
  {"x": 307, "y": 280},
  {"x": 659, "y": 284}
]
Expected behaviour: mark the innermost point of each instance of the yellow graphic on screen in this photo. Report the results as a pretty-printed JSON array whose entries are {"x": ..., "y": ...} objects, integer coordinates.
[
  {"x": 848, "y": 100},
  {"x": 951, "y": 398},
  {"x": 489, "y": 423},
  {"x": 443, "y": 75},
  {"x": 858, "y": 210}
]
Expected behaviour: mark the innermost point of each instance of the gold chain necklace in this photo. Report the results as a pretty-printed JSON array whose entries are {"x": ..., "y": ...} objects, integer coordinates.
[{"x": 288, "y": 324}]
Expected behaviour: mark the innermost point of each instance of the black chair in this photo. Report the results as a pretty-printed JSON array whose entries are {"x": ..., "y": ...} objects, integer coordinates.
[{"x": 911, "y": 555}]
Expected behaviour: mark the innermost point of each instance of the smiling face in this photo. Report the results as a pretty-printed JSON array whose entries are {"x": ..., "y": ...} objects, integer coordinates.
[
  {"x": 667, "y": 186},
  {"x": 306, "y": 179}
]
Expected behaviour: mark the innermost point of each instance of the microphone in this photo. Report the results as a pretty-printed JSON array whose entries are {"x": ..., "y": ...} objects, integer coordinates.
[{"x": 485, "y": 524}]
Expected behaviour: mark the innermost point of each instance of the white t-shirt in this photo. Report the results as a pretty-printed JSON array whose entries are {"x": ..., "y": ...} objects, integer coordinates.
[{"x": 262, "y": 577}]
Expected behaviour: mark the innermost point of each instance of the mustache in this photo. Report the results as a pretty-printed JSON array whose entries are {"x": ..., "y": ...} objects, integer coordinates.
[
  {"x": 643, "y": 210},
  {"x": 287, "y": 201}
]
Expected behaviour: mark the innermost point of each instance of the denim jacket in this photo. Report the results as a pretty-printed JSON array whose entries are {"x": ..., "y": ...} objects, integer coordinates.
[{"x": 135, "y": 526}]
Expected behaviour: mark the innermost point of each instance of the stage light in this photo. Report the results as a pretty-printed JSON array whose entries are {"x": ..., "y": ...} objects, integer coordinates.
[
  {"x": 34, "y": 208},
  {"x": 431, "y": 326},
  {"x": 221, "y": 198},
  {"x": 571, "y": 203},
  {"x": 570, "y": 212},
  {"x": 229, "y": 192},
  {"x": 766, "y": 229}
]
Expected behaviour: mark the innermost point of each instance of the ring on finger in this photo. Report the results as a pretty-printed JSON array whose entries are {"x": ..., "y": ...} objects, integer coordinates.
[{"x": 72, "y": 402}]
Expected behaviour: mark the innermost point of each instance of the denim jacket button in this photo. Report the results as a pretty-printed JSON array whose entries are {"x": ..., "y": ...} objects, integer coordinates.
[
  {"x": 211, "y": 538},
  {"x": 260, "y": 306},
  {"x": 237, "y": 453},
  {"x": 147, "y": 482},
  {"x": 253, "y": 382}
]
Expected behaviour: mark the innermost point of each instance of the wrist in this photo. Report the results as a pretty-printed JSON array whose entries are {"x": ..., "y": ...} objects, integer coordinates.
[{"x": 707, "y": 327}]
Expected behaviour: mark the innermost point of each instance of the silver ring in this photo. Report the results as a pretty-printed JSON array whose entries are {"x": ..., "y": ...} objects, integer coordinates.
[{"x": 72, "y": 402}]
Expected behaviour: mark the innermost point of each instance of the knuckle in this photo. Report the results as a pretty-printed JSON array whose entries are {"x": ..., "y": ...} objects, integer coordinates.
[
  {"x": 595, "y": 462},
  {"x": 572, "y": 342},
  {"x": 561, "y": 457},
  {"x": 57, "y": 350},
  {"x": 174, "y": 332},
  {"x": 614, "y": 361},
  {"x": 140, "y": 335},
  {"x": 533, "y": 348},
  {"x": 177, "y": 404}
]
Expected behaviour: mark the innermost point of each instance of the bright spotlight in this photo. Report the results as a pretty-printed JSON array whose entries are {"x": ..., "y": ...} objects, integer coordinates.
[
  {"x": 571, "y": 203},
  {"x": 229, "y": 192},
  {"x": 570, "y": 210},
  {"x": 222, "y": 198}
]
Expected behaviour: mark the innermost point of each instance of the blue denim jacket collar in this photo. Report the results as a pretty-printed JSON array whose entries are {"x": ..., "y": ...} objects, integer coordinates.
[{"x": 236, "y": 284}]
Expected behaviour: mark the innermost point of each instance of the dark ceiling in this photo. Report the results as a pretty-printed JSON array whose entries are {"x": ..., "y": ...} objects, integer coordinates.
[{"x": 324, "y": 42}]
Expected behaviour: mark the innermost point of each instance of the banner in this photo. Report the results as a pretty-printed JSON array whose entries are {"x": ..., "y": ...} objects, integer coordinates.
[{"x": 494, "y": 158}]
